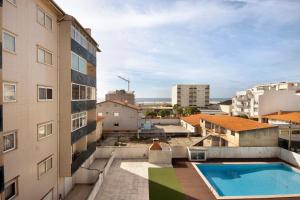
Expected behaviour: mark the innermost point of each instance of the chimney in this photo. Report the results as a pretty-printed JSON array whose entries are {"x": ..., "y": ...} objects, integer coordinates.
[
  {"x": 89, "y": 31},
  {"x": 156, "y": 145}
]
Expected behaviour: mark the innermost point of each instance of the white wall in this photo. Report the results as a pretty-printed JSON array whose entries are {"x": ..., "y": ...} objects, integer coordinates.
[
  {"x": 160, "y": 157},
  {"x": 122, "y": 152},
  {"x": 242, "y": 152},
  {"x": 290, "y": 157},
  {"x": 274, "y": 101}
]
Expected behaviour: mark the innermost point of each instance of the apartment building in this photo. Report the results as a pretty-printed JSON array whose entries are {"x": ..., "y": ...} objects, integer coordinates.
[
  {"x": 224, "y": 130},
  {"x": 49, "y": 99},
  {"x": 194, "y": 95},
  {"x": 264, "y": 99},
  {"x": 121, "y": 95}
]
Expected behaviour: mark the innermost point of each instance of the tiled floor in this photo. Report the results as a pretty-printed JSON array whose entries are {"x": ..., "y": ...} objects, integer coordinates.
[{"x": 126, "y": 180}]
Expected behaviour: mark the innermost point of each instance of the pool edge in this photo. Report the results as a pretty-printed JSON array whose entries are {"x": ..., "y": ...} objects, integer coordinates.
[{"x": 217, "y": 196}]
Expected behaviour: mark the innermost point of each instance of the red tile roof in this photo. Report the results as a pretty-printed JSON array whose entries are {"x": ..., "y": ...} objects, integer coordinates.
[
  {"x": 285, "y": 116},
  {"x": 229, "y": 122}
]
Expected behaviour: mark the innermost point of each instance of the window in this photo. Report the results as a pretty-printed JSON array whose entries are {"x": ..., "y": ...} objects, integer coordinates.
[
  {"x": 75, "y": 92},
  {"x": 79, "y": 120},
  {"x": 45, "y": 93},
  {"x": 78, "y": 63},
  {"x": 44, "y": 130},
  {"x": 116, "y": 114},
  {"x": 82, "y": 92},
  {"x": 44, "y": 166},
  {"x": 14, "y": 2},
  {"x": 116, "y": 124},
  {"x": 79, "y": 38},
  {"x": 9, "y": 92},
  {"x": 44, "y": 19},
  {"x": 232, "y": 133},
  {"x": 11, "y": 189},
  {"x": 9, "y": 141},
  {"x": 9, "y": 42},
  {"x": 44, "y": 56},
  {"x": 49, "y": 195}
]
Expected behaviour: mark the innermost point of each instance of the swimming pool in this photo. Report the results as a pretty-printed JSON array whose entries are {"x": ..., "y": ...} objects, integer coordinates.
[{"x": 253, "y": 180}]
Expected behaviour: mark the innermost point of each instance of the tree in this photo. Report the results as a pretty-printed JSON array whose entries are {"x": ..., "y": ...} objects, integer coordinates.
[
  {"x": 164, "y": 113},
  {"x": 191, "y": 111},
  {"x": 177, "y": 110},
  {"x": 150, "y": 113}
]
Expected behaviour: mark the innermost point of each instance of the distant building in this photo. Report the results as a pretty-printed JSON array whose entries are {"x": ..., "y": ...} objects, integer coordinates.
[
  {"x": 119, "y": 117},
  {"x": 190, "y": 95},
  {"x": 289, "y": 128},
  {"x": 226, "y": 106},
  {"x": 228, "y": 131},
  {"x": 121, "y": 95},
  {"x": 265, "y": 99}
]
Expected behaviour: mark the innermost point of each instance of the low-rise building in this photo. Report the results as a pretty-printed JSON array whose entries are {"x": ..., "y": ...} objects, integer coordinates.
[
  {"x": 190, "y": 95},
  {"x": 224, "y": 130},
  {"x": 121, "y": 95},
  {"x": 289, "y": 128},
  {"x": 191, "y": 123},
  {"x": 264, "y": 99},
  {"x": 119, "y": 117}
]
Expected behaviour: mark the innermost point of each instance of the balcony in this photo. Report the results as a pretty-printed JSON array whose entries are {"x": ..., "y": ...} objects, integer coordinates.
[
  {"x": 80, "y": 158},
  {"x": 79, "y": 133},
  {"x": 79, "y": 106},
  {"x": 80, "y": 50},
  {"x": 77, "y": 77}
]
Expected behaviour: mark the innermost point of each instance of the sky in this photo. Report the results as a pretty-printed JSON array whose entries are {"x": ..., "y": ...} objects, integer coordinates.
[{"x": 231, "y": 44}]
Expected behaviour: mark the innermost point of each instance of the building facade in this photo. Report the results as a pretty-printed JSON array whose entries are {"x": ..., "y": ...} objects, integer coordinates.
[
  {"x": 228, "y": 131},
  {"x": 119, "y": 117},
  {"x": 48, "y": 133},
  {"x": 121, "y": 95},
  {"x": 264, "y": 99},
  {"x": 194, "y": 95},
  {"x": 289, "y": 128}
]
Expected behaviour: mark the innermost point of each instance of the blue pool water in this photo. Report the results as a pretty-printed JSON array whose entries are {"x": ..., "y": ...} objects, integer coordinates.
[{"x": 252, "y": 179}]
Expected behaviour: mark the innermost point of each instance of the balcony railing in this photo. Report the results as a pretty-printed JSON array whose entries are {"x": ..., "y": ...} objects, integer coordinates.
[
  {"x": 79, "y": 133},
  {"x": 80, "y": 158},
  {"x": 79, "y": 106}
]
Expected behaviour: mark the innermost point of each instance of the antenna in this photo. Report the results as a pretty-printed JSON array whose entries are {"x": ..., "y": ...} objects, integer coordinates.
[{"x": 127, "y": 80}]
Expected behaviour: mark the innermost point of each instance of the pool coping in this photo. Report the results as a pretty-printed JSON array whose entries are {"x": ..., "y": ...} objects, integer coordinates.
[{"x": 217, "y": 196}]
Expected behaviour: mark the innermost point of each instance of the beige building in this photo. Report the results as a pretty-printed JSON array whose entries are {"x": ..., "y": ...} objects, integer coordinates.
[
  {"x": 49, "y": 99},
  {"x": 224, "y": 130},
  {"x": 121, "y": 95},
  {"x": 264, "y": 99},
  {"x": 119, "y": 117},
  {"x": 289, "y": 128},
  {"x": 194, "y": 95}
]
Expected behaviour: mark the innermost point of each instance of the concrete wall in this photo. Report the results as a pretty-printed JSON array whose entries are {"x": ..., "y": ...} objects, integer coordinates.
[
  {"x": 226, "y": 108},
  {"x": 160, "y": 156},
  {"x": 290, "y": 157},
  {"x": 122, "y": 152},
  {"x": 188, "y": 126},
  {"x": 260, "y": 137},
  {"x": 274, "y": 101},
  {"x": 128, "y": 118},
  {"x": 165, "y": 121},
  {"x": 179, "y": 151},
  {"x": 242, "y": 152}
]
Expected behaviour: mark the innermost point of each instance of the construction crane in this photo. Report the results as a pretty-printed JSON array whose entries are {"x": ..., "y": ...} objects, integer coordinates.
[{"x": 127, "y": 80}]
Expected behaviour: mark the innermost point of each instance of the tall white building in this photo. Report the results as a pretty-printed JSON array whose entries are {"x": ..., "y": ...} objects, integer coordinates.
[
  {"x": 190, "y": 95},
  {"x": 266, "y": 99}
]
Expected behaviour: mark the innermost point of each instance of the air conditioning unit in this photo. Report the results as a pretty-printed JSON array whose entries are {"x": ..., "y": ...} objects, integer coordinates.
[{"x": 197, "y": 153}]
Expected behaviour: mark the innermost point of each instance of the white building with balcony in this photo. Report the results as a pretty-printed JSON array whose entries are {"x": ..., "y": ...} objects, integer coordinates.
[{"x": 265, "y": 99}]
